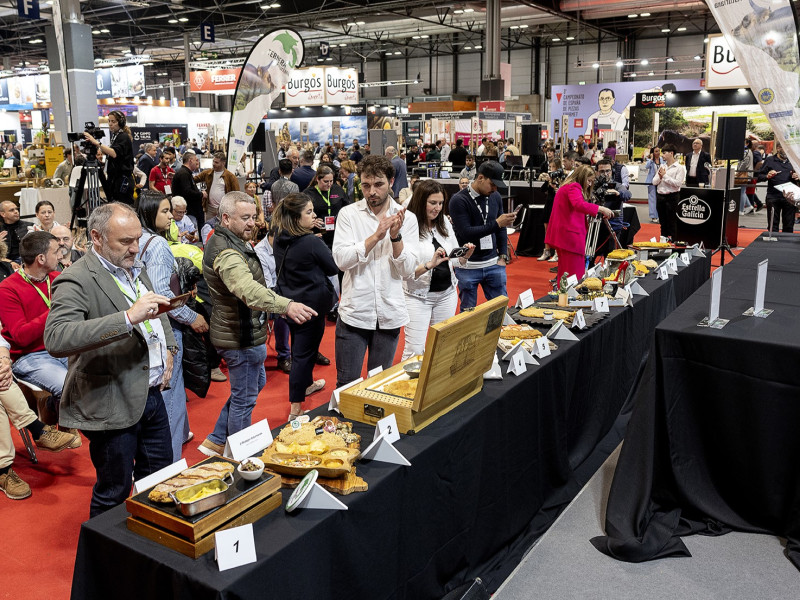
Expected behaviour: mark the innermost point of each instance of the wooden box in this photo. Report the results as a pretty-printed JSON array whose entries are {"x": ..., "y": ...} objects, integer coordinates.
[
  {"x": 193, "y": 536},
  {"x": 458, "y": 352}
]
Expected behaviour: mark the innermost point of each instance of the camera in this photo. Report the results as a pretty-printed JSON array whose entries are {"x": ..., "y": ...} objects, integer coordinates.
[
  {"x": 556, "y": 177},
  {"x": 87, "y": 147},
  {"x": 600, "y": 189}
]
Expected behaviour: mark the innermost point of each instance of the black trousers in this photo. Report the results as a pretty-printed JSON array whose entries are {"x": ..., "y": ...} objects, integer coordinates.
[
  {"x": 666, "y": 205},
  {"x": 306, "y": 338},
  {"x": 780, "y": 215}
]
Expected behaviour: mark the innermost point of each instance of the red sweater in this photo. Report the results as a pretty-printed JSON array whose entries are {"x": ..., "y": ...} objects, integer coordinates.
[{"x": 23, "y": 313}]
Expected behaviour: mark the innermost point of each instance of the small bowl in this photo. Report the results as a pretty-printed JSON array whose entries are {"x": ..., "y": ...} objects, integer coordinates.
[
  {"x": 412, "y": 369},
  {"x": 548, "y": 315},
  {"x": 251, "y": 475}
]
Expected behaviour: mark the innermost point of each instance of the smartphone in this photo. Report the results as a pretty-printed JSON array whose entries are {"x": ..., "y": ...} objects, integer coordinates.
[
  {"x": 174, "y": 303},
  {"x": 520, "y": 217},
  {"x": 458, "y": 252}
]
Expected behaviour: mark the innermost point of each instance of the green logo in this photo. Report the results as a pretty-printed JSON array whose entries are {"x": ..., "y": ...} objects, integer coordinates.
[{"x": 289, "y": 43}]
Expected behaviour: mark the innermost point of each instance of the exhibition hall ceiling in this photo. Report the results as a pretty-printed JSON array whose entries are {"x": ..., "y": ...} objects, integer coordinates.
[{"x": 153, "y": 31}]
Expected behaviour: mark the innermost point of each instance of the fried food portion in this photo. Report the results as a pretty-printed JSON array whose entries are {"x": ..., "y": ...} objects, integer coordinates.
[
  {"x": 407, "y": 388},
  {"x": 651, "y": 245},
  {"x": 620, "y": 253},
  {"x": 593, "y": 284},
  {"x": 519, "y": 332},
  {"x": 538, "y": 313},
  {"x": 192, "y": 476}
]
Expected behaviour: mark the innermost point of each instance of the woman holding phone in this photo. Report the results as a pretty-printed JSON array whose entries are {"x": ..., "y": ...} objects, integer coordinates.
[
  {"x": 431, "y": 295},
  {"x": 155, "y": 215}
]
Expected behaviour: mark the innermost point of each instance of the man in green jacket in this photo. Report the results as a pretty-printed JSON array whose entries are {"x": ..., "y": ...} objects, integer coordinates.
[{"x": 238, "y": 320}]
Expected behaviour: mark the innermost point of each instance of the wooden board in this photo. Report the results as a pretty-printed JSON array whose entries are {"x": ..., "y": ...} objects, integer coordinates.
[
  {"x": 243, "y": 495},
  {"x": 196, "y": 549},
  {"x": 342, "y": 486}
]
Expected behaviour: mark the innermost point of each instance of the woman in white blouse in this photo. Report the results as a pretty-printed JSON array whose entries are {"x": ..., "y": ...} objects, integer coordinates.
[{"x": 431, "y": 295}]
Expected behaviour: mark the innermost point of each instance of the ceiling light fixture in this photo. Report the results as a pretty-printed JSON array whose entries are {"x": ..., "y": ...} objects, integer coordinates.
[
  {"x": 359, "y": 23},
  {"x": 666, "y": 30},
  {"x": 523, "y": 26},
  {"x": 555, "y": 39},
  {"x": 469, "y": 10},
  {"x": 697, "y": 57},
  {"x": 619, "y": 63},
  {"x": 651, "y": 73},
  {"x": 35, "y": 41},
  {"x": 458, "y": 11},
  {"x": 670, "y": 59},
  {"x": 467, "y": 47},
  {"x": 678, "y": 72},
  {"x": 274, "y": 5},
  {"x": 570, "y": 38},
  {"x": 681, "y": 28},
  {"x": 172, "y": 21},
  {"x": 632, "y": 16},
  {"x": 95, "y": 32},
  {"x": 644, "y": 62},
  {"x": 183, "y": 19},
  {"x": 104, "y": 30},
  {"x": 478, "y": 47},
  {"x": 595, "y": 65},
  {"x": 644, "y": 14}
]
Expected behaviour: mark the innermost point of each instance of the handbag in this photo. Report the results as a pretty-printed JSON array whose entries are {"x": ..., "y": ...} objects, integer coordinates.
[{"x": 174, "y": 280}]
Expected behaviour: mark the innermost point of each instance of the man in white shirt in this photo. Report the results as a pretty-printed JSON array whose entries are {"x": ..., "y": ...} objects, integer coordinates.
[
  {"x": 696, "y": 170},
  {"x": 445, "y": 151},
  {"x": 376, "y": 247},
  {"x": 607, "y": 117},
  {"x": 668, "y": 181},
  {"x": 482, "y": 148}
]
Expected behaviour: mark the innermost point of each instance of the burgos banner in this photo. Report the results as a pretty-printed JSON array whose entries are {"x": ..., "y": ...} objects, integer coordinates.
[
  {"x": 763, "y": 37},
  {"x": 265, "y": 72},
  {"x": 317, "y": 86}
]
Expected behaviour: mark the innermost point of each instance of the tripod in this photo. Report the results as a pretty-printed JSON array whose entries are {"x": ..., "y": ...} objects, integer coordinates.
[
  {"x": 92, "y": 177},
  {"x": 724, "y": 246}
]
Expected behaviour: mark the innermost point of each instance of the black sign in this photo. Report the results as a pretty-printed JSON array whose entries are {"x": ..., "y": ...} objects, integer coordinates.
[
  {"x": 207, "y": 32},
  {"x": 651, "y": 100},
  {"x": 153, "y": 134},
  {"x": 699, "y": 216}
]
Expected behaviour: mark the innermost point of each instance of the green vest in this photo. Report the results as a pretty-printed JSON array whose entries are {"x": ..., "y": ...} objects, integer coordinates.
[{"x": 233, "y": 324}]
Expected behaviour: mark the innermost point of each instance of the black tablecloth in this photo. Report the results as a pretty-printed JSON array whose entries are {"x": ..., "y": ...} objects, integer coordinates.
[
  {"x": 712, "y": 444},
  {"x": 486, "y": 481}
]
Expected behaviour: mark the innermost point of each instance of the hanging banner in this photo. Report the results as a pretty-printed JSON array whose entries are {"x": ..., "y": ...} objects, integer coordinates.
[
  {"x": 763, "y": 37},
  {"x": 306, "y": 87},
  {"x": 341, "y": 86},
  {"x": 214, "y": 81},
  {"x": 722, "y": 70},
  {"x": 265, "y": 72}
]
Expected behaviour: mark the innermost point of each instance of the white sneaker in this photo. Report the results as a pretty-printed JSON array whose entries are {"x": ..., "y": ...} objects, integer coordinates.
[
  {"x": 553, "y": 258},
  {"x": 544, "y": 255},
  {"x": 315, "y": 387}
]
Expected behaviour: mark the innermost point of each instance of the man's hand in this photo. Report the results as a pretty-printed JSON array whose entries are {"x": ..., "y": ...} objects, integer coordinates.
[
  {"x": 795, "y": 176},
  {"x": 383, "y": 226},
  {"x": 199, "y": 324},
  {"x": 506, "y": 219},
  {"x": 167, "y": 372},
  {"x": 3, "y": 235},
  {"x": 772, "y": 174},
  {"x": 146, "y": 307},
  {"x": 398, "y": 223},
  {"x": 300, "y": 313},
  {"x": 5, "y": 373},
  {"x": 612, "y": 191},
  {"x": 661, "y": 171}
]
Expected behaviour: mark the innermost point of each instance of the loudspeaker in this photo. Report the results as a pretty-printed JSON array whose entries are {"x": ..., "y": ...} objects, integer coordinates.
[
  {"x": 259, "y": 142},
  {"x": 531, "y": 140},
  {"x": 731, "y": 132}
]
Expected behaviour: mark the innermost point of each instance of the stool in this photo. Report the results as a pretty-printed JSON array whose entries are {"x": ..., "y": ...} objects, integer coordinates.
[{"x": 35, "y": 396}]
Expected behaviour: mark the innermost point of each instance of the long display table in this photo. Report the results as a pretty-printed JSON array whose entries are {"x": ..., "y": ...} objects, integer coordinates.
[
  {"x": 487, "y": 479},
  {"x": 712, "y": 443}
]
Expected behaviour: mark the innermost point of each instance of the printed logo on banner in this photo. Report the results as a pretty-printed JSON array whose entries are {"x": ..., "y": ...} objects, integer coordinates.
[
  {"x": 766, "y": 96},
  {"x": 693, "y": 210},
  {"x": 658, "y": 100},
  {"x": 250, "y": 129},
  {"x": 199, "y": 80},
  {"x": 577, "y": 123},
  {"x": 782, "y": 113}
]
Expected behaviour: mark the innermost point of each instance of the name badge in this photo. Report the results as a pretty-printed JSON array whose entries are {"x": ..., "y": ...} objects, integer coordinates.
[
  {"x": 330, "y": 223},
  {"x": 167, "y": 190},
  {"x": 486, "y": 243}
]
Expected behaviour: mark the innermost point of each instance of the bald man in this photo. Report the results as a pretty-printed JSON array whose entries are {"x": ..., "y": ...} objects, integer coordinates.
[
  {"x": 67, "y": 253},
  {"x": 12, "y": 230},
  {"x": 696, "y": 171}
]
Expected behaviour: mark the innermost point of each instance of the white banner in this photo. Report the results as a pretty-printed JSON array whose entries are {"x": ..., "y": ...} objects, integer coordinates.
[
  {"x": 722, "y": 70},
  {"x": 341, "y": 86},
  {"x": 763, "y": 37},
  {"x": 306, "y": 87},
  {"x": 265, "y": 72}
]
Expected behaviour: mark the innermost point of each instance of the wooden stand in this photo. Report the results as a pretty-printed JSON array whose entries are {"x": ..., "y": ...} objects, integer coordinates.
[{"x": 458, "y": 352}]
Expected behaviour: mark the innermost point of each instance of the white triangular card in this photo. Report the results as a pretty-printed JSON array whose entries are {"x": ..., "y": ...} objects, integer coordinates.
[
  {"x": 320, "y": 498},
  {"x": 333, "y": 403},
  {"x": 382, "y": 451},
  {"x": 638, "y": 290},
  {"x": 562, "y": 333},
  {"x": 507, "y": 320},
  {"x": 495, "y": 372},
  {"x": 517, "y": 364}
]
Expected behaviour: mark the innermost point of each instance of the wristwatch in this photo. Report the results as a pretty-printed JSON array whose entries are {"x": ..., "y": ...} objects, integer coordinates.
[
  {"x": 396, "y": 239},
  {"x": 503, "y": 256},
  {"x": 174, "y": 350}
]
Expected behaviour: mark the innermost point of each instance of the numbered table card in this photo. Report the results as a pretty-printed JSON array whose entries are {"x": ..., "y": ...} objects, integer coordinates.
[
  {"x": 685, "y": 258},
  {"x": 541, "y": 347},
  {"x": 388, "y": 428},
  {"x": 234, "y": 547},
  {"x": 672, "y": 265},
  {"x": 525, "y": 299},
  {"x": 579, "y": 320},
  {"x": 600, "y": 304},
  {"x": 662, "y": 272}
]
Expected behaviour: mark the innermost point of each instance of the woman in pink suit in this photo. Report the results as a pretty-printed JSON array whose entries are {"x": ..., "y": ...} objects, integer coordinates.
[{"x": 566, "y": 231}]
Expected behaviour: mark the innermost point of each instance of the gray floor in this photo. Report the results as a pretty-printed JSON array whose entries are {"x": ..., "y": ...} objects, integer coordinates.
[{"x": 564, "y": 565}]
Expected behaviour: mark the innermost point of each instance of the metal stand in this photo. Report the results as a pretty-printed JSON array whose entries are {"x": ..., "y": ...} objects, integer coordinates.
[
  {"x": 770, "y": 237},
  {"x": 724, "y": 246},
  {"x": 594, "y": 233},
  {"x": 92, "y": 177}
]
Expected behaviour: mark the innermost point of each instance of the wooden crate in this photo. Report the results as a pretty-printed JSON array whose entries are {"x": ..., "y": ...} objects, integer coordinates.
[{"x": 458, "y": 352}]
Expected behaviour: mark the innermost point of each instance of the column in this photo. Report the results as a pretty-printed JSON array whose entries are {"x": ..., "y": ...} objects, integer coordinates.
[{"x": 492, "y": 87}]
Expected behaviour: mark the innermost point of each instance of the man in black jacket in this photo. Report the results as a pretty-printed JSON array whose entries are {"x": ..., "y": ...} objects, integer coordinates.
[
  {"x": 13, "y": 228},
  {"x": 696, "y": 170},
  {"x": 148, "y": 159},
  {"x": 458, "y": 155},
  {"x": 776, "y": 170},
  {"x": 183, "y": 185}
]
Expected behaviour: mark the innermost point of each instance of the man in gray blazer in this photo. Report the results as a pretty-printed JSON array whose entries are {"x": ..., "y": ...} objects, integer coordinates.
[{"x": 104, "y": 318}]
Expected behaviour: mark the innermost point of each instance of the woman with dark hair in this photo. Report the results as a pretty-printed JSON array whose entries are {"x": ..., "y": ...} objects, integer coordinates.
[
  {"x": 430, "y": 294},
  {"x": 45, "y": 214},
  {"x": 554, "y": 166},
  {"x": 119, "y": 173},
  {"x": 350, "y": 181},
  {"x": 155, "y": 215},
  {"x": 303, "y": 265},
  {"x": 567, "y": 229},
  {"x": 328, "y": 198}
]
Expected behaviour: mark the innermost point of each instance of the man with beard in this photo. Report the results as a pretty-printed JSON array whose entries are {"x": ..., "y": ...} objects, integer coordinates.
[
  {"x": 240, "y": 298},
  {"x": 67, "y": 253},
  {"x": 375, "y": 244},
  {"x": 104, "y": 317},
  {"x": 183, "y": 185}
]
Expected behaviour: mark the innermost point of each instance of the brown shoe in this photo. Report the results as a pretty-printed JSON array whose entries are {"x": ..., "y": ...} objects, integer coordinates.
[
  {"x": 217, "y": 375},
  {"x": 54, "y": 440},
  {"x": 13, "y": 486},
  {"x": 77, "y": 443},
  {"x": 209, "y": 448}
]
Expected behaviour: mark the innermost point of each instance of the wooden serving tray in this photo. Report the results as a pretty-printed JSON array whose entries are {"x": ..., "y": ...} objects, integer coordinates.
[
  {"x": 242, "y": 496},
  {"x": 342, "y": 486}
]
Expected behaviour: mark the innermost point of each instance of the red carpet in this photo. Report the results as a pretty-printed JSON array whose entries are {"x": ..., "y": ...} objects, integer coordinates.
[{"x": 41, "y": 532}]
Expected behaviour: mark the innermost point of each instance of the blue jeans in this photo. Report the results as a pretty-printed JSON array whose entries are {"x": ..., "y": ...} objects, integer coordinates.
[
  {"x": 175, "y": 400},
  {"x": 492, "y": 279},
  {"x": 280, "y": 327},
  {"x": 42, "y": 370},
  {"x": 744, "y": 200},
  {"x": 651, "y": 201},
  {"x": 352, "y": 344},
  {"x": 247, "y": 377},
  {"x": 118, "y": 455}
]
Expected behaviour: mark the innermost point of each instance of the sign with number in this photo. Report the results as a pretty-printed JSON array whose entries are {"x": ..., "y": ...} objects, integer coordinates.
[
  {"x": 388, "y": 427},
  {"x": 235, "y": 547},
  {"x": 601, "y": 304}
]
